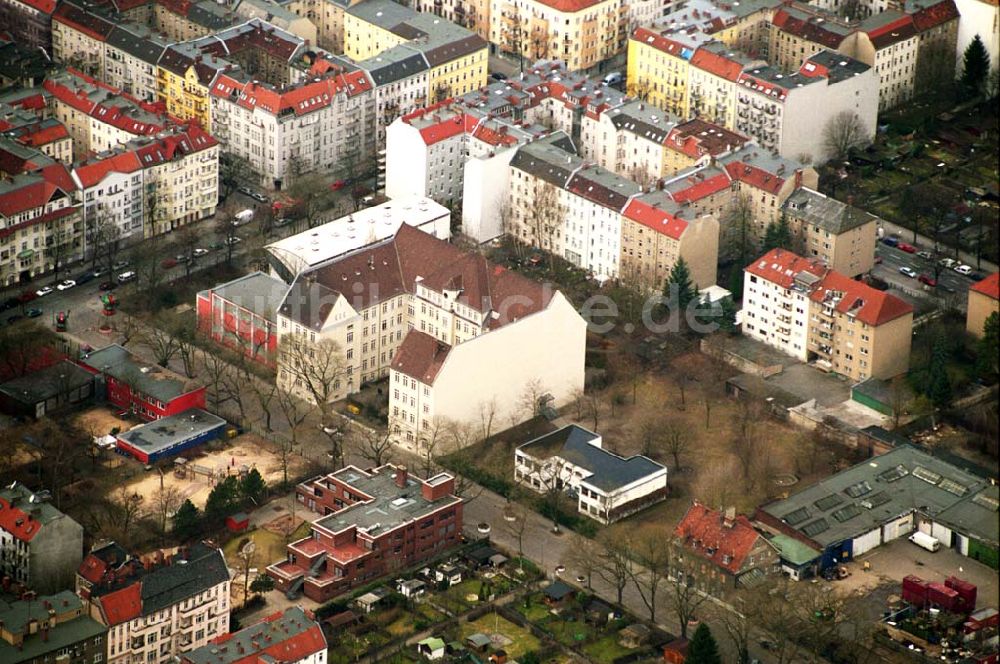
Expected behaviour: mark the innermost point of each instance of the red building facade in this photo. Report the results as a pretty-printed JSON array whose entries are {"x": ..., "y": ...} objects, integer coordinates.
[
  {"x": 376, "y": 522},
  {"x": 148, "y": 391},
  {"x": 240, "y": 315}
]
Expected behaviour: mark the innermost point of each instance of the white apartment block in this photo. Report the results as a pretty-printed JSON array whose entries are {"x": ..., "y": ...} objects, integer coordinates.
[
  {"x": 630, "y": 140},
  {"x": 161, "y": 608},
  {"x": 776, "y": 301},
  {"x": 131, "y": 53},
  {"x": 789, "y": 113},
  {"x": 892, "y": 47},
  {"x": 979, "y": 17},
  {"x": 78, "y": 38},
  {"x": 284, "y": 132},
  {"x": 113, "y": 193},
  {"x": 607, "y": 487}
]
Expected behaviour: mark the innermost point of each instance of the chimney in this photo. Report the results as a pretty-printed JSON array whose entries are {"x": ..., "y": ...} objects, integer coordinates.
[
  {"x": 45, "y": 632},
  {"x": 401, "y": 475},
  {"x": 729, "y": 517}
]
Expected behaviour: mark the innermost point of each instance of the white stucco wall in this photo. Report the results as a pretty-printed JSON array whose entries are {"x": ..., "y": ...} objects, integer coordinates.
[{"x": 486, "y": 188}]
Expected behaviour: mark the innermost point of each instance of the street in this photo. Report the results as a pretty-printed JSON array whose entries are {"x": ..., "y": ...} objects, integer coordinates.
[{"x": 950, "y": 283}]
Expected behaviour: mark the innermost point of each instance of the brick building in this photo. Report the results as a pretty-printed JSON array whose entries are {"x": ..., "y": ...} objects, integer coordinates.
[
  {"x": 146, "y": 390},
  {"x": 374, "y": 522}
]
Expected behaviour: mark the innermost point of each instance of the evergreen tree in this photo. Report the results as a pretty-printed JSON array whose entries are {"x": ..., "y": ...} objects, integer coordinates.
[
  {"x": 252, "y": 488},
  {"x": 702, "y": 648},
  {"x": 187, "y": 521},
  {"x": 778, "y": 235},
  {"x": 975, "y": 68},
  {"x": 988, "y": 348},
  {"x": 938, "y": 382},
  {"x": 262, "y": 584},
  {"x": 679, "y": 280},
  {"x": 223, "y": 499},
  {"x": 727, "y": 319}
]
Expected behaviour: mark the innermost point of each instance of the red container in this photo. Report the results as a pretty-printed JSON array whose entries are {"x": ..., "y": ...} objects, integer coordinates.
[
  {"x": 915, "y": 591},
  {"x": 943, "y": 597},
  {"x": 966, "y": 591},
  {"x": 983, "y": 619}
]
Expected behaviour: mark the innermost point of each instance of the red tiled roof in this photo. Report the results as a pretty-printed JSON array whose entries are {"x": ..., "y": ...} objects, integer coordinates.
[
  {"x": 896, "y": 31},
  {"x": 935, "y": 15},
  {"x": 44, "y": 6},
  {"x": 28, "y": 197},
  {"x": 420, "y": 356},
  {"x": 570, "y": 5},
  {"x": 990, "y": 286},
  {"x": 192, "y": 139},
  {"x": 300, "y": 100},
  {"x": 122, "y": 605},
  {"x": 657, "y": 41},
  {"x": 20, "y": 524},
  {"x": 92, "y": 568},
  {"x": 115, "y": 116},
  {"x": 705, "y": 532},
  {"x": 780, "y": 266},
  {"x": 808, "y": 30},
  {"x": 714, "y": 63},
  {"x": 754, "y": 176},
  {"x": 655, "y": 219},
  {"x": 44, "y": 136},
  {"x": 702, "y": 188},
  {"x": 697, "y": 138},
  {"x": 34, "y": 221},
  {"x": 271, "y": 641},
  {"x": 92, "y": 173},
  {"x": 867, "y": 304}
]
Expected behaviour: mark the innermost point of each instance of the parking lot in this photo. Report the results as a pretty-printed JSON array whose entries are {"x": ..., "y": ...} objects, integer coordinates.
[{"x": 891, "y": 562}]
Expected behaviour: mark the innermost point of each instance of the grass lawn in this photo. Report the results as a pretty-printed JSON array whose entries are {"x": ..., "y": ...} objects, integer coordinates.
[
  {"x": 270, "y": 546},
  {"x": 570, "y": 633},
  {"x": 406, "y": 623},
  {"x": 605, "y": 650},
  {"x": 536, "y": 613},
  {"x": 522, "y": 641}
]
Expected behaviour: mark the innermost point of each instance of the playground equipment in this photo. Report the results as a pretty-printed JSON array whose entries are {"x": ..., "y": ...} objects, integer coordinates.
[
  {"x": 110, "y": 303},
  {"x": 61, "y": 320}
]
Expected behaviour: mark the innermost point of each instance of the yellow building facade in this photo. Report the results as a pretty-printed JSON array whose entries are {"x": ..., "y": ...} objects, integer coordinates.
[{"x": 658, "y": 70}]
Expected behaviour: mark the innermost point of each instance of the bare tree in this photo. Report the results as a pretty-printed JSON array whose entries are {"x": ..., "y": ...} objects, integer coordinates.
[
  {"x": 593, "y": 406},
  {"x": 652, "y": 564},
  {"x": 553, "y": 485},
  {"x": 529, "y": 402},
  {"x": 487, "y": 416},
  {"x": 748, "y": 439},
  {"x": 614, "y": 563},
  {"x": 737, "y": 626},
  {"x": 266, "y": 394},
  {"x": 515, "y": 517},
  {"x": 161, "y": 340},
  {"x": 105, "y": 237},
  {"x": 165, "y": 501},
  {"x": 216, "y": 370},
  {"x": 225, "y": 226},
  {"x": 188, "y": 238},
  {"x": 128, "y": 328},
  {"x": 547, "y": 217},
  {"x": 843, "y": 133},
  {"x": 295, "y": 412},
  {"x": 373, "y": 445},
  {"x": 234, "y": 382},
  {"x": 432, "y": 441},
  {"x": 684, "y": 599},
  {"x": 127, "y": 505},
  {"x": 738, "y": 229},
  {"x": 676, "y": 441}
]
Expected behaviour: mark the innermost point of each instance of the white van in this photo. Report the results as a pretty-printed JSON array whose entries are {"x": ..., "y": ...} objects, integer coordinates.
[
  {"x": 243, "y": 217},
  {"x": 125, "y": 277},
  {"x": 925, "y": 541},
  {"x": 613, "y": 79}
]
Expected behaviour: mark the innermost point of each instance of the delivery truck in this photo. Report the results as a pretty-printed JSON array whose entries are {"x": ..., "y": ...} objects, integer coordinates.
[{"x": 925, "y": 541}]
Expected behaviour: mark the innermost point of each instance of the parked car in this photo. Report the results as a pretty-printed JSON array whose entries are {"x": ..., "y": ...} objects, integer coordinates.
[
  {"x": 976, "y": 276},
  {"x": 612, "y": 79},
  {"x": 338, "y": 185},
  {"x": 215, "y": 246},
  {"x": 907, "y": 247},
  {"x": 27, "y": 296},
  {"x": 66, "y": 284},
  {"x": 927, "y": 280},
  {"x": 257, "y": 196},
  {"x": 282, "y": 221},
  {"x": 199, "y": 252},
  {"x": 947, "y": 262},
  {"x": 890, "y": 241},
  {"x": 120, "y": 265},
  {"x": 108, "y": 285},
  {"x": 85, "y": 278},
  {"x": 498, "y": 76},
  {"x": 234, "y": 240},
  {"x": 43, "y": 291},
  {"x": 125, "y": 277},
  {"x": 246, "y": 191},
  {"x": 33, "y": 313},
  {"x": 168, "y": 263},
  {"x": 963, "y": 269},
  {"x": 908, "y": 271},
  {"x": 926, "y": 255},
  {"x": 182, "y": 258},
  {"x": 10, "y": 303}
]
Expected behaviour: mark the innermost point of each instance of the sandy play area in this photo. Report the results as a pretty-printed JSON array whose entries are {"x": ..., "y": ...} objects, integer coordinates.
[
  {"x": 101, "y": 421},
  {"x": 248, "y": 451}
]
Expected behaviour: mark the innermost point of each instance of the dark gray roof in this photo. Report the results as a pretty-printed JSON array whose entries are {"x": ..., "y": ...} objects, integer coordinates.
[
  {"x": 548, "y": 159},
  {"x": 827, "y": 213},
  {"x": 839, "y": 67},
  {"x": 868, "y": 495},
  {"x": 557, "y": 591},
  {"x": 147, "y": 49},
  {"x": 155, "y": 381},
  {"x": 575, "y": 445},
  {"x": 49, "y": 382},
  {"x": 15, "y": 615},
  {"x": 210, "y": 15},
  {"x": 165, "y": 432},
  {"x": 253, "y": 639},
  {"x": 394, "y": 65},
  {"x": 976, "y": 515},
  {"x": 202, "y": 568},
  {"x": 454, "y": 49}
]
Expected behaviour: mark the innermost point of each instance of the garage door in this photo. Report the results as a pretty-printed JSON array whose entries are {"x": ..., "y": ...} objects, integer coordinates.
[
  {"x": 962, "y": 544},
  {"x": 867, "y": 542},
  {"x": 898, "y": 528},
  {"x": 942, "y": 533}
]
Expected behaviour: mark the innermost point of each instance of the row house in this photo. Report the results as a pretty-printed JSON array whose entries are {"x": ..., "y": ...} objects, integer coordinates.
[
  {"x": 291, "y": 636},
  {"x": 697, "y": 142},
  {"x": 78, "y": 38},
  {"x": 371, "y": 523},
  {"x": 184, "y": 20},
  {"x": 607, "y": 487},
  {"x": 29, "y": 22},
  {"x": 147, "y": 391},
  {"x": 184, "y": 79},
  {"x": 50, "y": 628},
  {"x": 281, "y": 15},
  {"x": 47, "y": 135},
  {"x": 99, "y": 117},
  {"x": 40, "y": 547},
  {"x": 839, "y": 234},
  {"x": 799, "y": 31},
  {"x": 580, "y": 33},
  {"x": 328, "y": 18},
  {"x": 471, "y": 14},
  {"x": 113, "y": 196},
  {"x": 818, "y": 315},
  {"x": 159, "y": 608},
  {"x": 630, "y": 140},
  {"x": 131, "y": 54},
  {"x": 712, "y": 76},
  {"x": 324, "y": 123},
  {"x": 659, "y": 59},
  {"x": 41, "y": 216},
  {"x": 455, "y": 56}
]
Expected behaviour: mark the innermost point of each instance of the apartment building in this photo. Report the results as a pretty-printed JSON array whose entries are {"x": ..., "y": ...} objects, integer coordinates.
[
  {"x": 40, "y": 547},
  {"x": 840, "y": 235},
  {"x": 41, "y": 217},
  {"x": 158, "y": 608},
  {"x": 325, "y": 123},
  {"x": 579, "y": 33},
  {"x": 655, "y": 235},
  {"x": 789, "y": 113},
  {"x": 400, "y": 78},
  {"x": 697, "y": 142},
  {"x": 471, "y": 14},
  {"x": 29, "y": 22},
  {"x": 184, "y": 79},
  {"x": 291, "y": 636},
  {"x": 455, "y": 56},
  {"x": 820, "y": 316},
  {"x": 372, "y": 523},
  {"x": 658, "y": 63},
  {"x": 281, "y": 15},
  {"x": 721, "y": 551},
  {"x": 78, "y": 38},
  {"x": 47, "y": 135},
  {"x": 608, "y": 487},
  {"x": 145, "y": 390},
  {"x": 50, "y": 628},
  {"x": 629, "y": 139},
  {"x": 984, "y": 300},
  {"x": 99, "y": 117},
  {"x": 799, "y": 31},
  {"x": 328, "y": 18},
  {"x": 113, "y": 193},
  {"x": 183, "y": 21},
  {"x": 713, "y": 73},
  {"x": 131, "y": 54}
]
